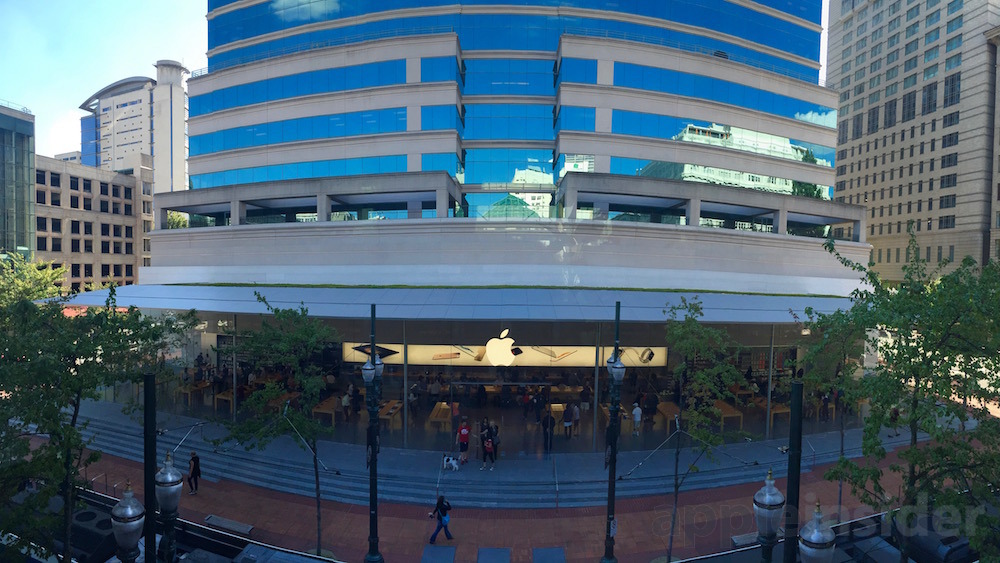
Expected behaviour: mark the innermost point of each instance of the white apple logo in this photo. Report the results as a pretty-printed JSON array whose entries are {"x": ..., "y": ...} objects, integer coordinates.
[{"x": 499, "y": 350}]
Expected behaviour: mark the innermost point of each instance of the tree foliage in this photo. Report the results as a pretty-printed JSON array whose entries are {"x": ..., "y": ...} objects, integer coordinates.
[
  {"x": 937, "y": 376},
  {"x": 54, "y": 359},
  {"x": 177, "y": 220},
  {"x": 21, "y": 279},
  {"x": 705, "y": 374},
  {"x": 289, "y": 344}
]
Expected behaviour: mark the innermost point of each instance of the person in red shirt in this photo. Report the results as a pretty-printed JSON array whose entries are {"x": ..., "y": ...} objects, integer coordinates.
[{"x": 462, "y": 439}]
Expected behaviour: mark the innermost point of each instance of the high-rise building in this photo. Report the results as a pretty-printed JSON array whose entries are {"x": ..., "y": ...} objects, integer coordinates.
[
  {"x": 563, "y": 111},
  {"x": 916, "y": 124},
  {"x": 139, "y": 115},
  {"x": 92, "y": 221},
  {"x": 17, "y": 167}
]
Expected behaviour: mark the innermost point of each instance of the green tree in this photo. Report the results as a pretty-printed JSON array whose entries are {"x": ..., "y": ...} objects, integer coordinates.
[
  {"x": 833, "y": 350},
  {"x": 806, "y": 189},
  {"x": 705, "y": 374},
  {"x": 177, "y": 220},
  {"x": 291, "y": 343},
  {"x": 53, "y": 361},
  {"x": 21, "y": 279},
  {"x": 938, "y": 372}
]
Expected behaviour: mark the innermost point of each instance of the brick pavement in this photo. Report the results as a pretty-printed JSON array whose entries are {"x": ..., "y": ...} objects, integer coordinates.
[{"x": 707, "y": 519}]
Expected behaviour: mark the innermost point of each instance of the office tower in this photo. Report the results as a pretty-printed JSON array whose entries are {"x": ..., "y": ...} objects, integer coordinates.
[
  {"x": 139, "y": 115},
  {"x": 644, "y": 114},
  {"x": 917, "y": 83},
  {"x": 17, "y": 166}
]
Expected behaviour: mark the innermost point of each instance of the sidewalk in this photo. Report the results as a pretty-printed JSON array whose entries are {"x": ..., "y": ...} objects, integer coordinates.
[{"x": 706, "y": 519}]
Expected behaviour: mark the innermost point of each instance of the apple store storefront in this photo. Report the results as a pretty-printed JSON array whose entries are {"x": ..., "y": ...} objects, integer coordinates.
[{"x": 507, "y": 357}]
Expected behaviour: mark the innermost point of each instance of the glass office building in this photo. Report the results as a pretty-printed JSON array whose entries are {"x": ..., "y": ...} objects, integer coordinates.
[
  {"x": 459, "y": 158},
  {"x": 507, "y": 94},
  {"x": 17, "y": 171}
]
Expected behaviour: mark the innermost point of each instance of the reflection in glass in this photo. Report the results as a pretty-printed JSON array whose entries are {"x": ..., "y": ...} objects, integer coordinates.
[
  {"x": 509, "y": 121},
  {"x": 629, "y": 75},
  {"x": 542, "y": 33},
  {"x": 713, "y": 175},
  {"x": 716, "y": 134},
  {"x": 391, "y": 120},
  {"x": 297, "y": 170}
]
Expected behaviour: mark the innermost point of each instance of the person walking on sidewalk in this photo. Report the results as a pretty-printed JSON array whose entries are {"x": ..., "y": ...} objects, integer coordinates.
[
  {"x": 441, "y": 511},
  {"x": 462, "y": 439},
  {"x": 636, "y": 418},
  {"x": 194, "y": 471}
]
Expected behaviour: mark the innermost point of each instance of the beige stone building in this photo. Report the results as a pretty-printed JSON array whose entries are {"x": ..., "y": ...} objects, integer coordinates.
[
  {"x": 92, "y": 221},
  {"x": 917, "y": 83}
]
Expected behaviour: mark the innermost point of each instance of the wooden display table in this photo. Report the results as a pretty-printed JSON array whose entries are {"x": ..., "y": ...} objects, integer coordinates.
[
  {"x": 189, "y": 390},
  {"x": 389, "y": 411},
  {"x": 227, "y": 396},
  {"x": 441, "y": 415},
  {"x": 669, "y": 410},
  {"x": 329, "y": 407},
  {"x": 727, "y": 411},
  {"x": 278, "y": 403}
]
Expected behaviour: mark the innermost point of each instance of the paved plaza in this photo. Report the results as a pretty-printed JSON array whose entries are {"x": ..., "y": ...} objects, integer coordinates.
[{"x": 711, "y": 510}]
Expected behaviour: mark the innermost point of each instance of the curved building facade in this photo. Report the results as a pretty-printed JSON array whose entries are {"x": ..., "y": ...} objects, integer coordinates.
[{"x": 505, "y": 93}]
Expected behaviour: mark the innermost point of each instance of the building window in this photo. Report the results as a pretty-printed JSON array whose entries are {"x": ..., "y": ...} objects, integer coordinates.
[
  {"x": 88, "y": 204},
  {"x": 946, "y": 202},
  {"x": 41, "y": 243},
  {"x": 88, "y": 228},
  {"x": 74, "y": 245},
  {"x": 105, "y": 247},
  {"x": 128, "y": 232},
  {"x": 55, "y": 200},
  {"x": 929, "y": 98},
  {"x": 128, "y": 270},
  {"x": 873, "y": 120},
  {"x": 954, "y": 24},
  {"x": 74, "y": 270},
  {"x": 949, "y": 160},
  {"x": 41, "y": 224},
  {"x": 56, "y": 244},
  {"x": 88, "y": 270},
  {"x": 86, "y": 186},
  {"x": 909, "y": 106},
  {"x": 56, "y": 225},
  {"x": 74, "y": 227},
  {"x": 128, "y": 248},
  {"x": 127, "y": 192},
  {"x": 106, "y": 268},
  {"x": 857, "y": 126},
  {"x": 105, "y": 230},
  {"x": 952, "y": 89},
  {"x": 40, "y": 177},
  {"x": 946, "y": 222},
  {"x": 88, "y": 246},
  {"x": 74, "y": 201},
  {"x": 40, "y": 195},
  {"x": 104, "y": 188},
  {"x": 116, "y": 208},
  {"x": 104, "y": 206},
  {"x": 950, "y": 119},
  {"x": 55, "y": 180}
]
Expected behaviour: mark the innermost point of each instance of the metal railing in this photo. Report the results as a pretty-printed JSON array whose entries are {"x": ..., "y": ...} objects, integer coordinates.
[{"x": 14, "y": 106}]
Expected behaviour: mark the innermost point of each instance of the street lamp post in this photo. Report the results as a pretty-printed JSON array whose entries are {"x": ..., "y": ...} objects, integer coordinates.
[
  {"x": 768, "y": 508},
  {"x": 127, "y": 520},
  {"x": 817, "y": 542},
  {"x": 616, "y": 369},
  {"x": 169, "y": 485},
  {"x": 372, "y": 373}
]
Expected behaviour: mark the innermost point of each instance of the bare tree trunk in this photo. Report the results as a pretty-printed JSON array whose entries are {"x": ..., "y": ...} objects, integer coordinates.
[
  {"x": 319, "y": 511},
  {"x": 68, "y": 489},
  {"x": 677, "y": 490}
]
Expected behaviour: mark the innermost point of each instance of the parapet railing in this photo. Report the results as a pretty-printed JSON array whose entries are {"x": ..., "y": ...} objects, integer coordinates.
[{"x": 14, "y": 106}]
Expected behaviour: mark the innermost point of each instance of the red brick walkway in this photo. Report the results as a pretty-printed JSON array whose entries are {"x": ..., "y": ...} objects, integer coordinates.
[{"x": 707, "y": 519}]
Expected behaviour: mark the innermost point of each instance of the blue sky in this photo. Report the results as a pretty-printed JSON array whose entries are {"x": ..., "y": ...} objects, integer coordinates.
[{"x": 57, "y": 53}]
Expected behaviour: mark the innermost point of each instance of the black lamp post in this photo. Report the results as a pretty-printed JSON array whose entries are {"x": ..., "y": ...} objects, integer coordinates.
[
  {"x": 372, "y": 373},
  {"x": 169, "y": 485},
  {"x": 616, "y": 369},
  {"x": 768, "y": 508},
  {"x": 127, "y": 520}
]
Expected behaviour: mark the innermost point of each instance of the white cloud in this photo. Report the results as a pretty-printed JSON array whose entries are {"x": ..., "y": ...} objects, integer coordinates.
[
  {"x": 826, "y": 119},
  {"x": 295, "y": 10}
]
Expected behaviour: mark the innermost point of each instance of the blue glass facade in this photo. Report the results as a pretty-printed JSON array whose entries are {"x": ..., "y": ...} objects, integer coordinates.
[
  {"x": 508, "y": 74},
  {"x": 90, "y": 140}
]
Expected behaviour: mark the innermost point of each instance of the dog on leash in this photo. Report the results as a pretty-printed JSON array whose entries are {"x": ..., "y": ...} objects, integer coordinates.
[{"x": 450, "y": 462}]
